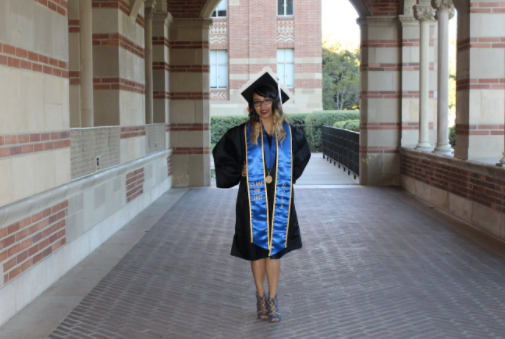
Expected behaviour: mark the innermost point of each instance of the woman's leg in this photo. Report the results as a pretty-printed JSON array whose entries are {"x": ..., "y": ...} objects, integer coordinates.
[
  {"x": 273, "y": 268},
  {"x": 259, "y": 269}
]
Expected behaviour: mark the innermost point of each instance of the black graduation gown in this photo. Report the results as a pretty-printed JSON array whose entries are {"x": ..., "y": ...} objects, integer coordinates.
[{"x": 229, "y": 157}]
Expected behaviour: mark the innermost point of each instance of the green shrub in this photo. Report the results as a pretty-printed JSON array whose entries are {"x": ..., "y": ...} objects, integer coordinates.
[
  {"x": 220, "y": 124},
  {"x": 452, "y": 136},
  {"x": 352, "y": 125},
  {"x": 314, "y": 121}
]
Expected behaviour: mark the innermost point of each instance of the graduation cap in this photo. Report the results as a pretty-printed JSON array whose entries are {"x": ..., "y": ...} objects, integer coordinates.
[{"x": 265, "y": 77}]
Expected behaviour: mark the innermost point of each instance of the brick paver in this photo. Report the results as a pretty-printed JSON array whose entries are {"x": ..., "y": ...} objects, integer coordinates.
[{"x": 372, "y": 266}]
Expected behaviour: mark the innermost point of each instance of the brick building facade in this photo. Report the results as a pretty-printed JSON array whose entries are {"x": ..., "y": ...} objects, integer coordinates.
[{"x": 247, "y": 36}]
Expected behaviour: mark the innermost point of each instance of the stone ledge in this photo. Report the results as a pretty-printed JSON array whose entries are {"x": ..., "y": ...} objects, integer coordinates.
[
  {"x": 468, "y": 165},
  {"x": 18, "y": 210}
]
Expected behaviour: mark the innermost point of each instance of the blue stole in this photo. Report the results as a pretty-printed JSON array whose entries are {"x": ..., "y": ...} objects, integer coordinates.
[{"x": 265, "y": 233}]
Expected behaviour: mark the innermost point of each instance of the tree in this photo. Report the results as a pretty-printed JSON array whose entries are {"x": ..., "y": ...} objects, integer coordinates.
[{"x": 340, "y": 77}]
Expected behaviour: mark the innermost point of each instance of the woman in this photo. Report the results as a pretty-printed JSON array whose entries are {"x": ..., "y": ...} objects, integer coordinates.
[{"x": 268, "y": 150}]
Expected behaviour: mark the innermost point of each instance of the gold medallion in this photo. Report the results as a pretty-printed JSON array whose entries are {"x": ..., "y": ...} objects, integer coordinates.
[{"x": 268, "y": 179}]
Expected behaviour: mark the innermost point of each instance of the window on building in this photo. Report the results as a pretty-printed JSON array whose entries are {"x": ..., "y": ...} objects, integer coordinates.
[
  {"x": 284, "y": 7},
  {"x": 286, "y": 67},
  {"x": 218, "y": 69},
  {"x": 220, "y": 10}
]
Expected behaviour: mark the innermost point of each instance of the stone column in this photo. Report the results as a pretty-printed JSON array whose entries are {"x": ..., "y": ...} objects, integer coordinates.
[
  {"x": 189, "y": 102},
  {"x": 424, "y": 13},
  {"x": 445, "y": 13},
  {"x": 380, "y": 101},
  {"x": 148, "y": 58},
  {"x": 410, "y": 79},
  {"x": 86, "y": 71}
]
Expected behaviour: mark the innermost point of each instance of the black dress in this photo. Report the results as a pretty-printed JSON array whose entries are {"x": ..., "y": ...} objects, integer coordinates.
[{"x": 229, "y": 156}]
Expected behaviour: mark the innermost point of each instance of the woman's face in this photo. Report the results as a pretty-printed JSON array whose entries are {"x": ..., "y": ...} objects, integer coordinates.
[{"x": 263, "y": 106}]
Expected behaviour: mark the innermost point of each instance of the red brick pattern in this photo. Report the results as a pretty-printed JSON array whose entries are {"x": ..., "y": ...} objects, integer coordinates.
[
  {"x": 188, "y": 44},
  {"x": 414, "y": 125},
  {"x": 393, "y": 67},
  {"x": 393, "y": 43},
  {"x": 476, "y": 187},
  {"x": 134, "y": 184},
  {"x": 392, "y": 94},
  {"x": 189, "y": 68},
  {"x": 384, "y": 7},
  {"x": 308, "y": 83},
  {"x": 74, "y": 26},
  {"x": 160, "y": 41},
  {"x": 118, "y": 84},
  {"x": 392, "y": 126},
  {"x": 379, "y": 266},
  {"x": 161, "y": 65},
  {"x": 116, "y": 39},
  {"x": 21, "y": 58},
  {"x": 185, "y": 8},
  {"x": 75, "y": 77},
  {"x": 379, "y": 126},
  {"x": 169, "y": 165},
  {"x": 122, "y": 5},
  {"x": 482, "y": 42},
  {"x": 16, "y": 144},
  {"x": 28, "y": 241},
  {"x": 482, "y": 129},
  {"x": 487, "y": 7},
  {"x": 132, "y": 132},
  {"x": 187, "y": 127},
  {"x": 191, "y": 150},
  {"x": 189, "y": 95},
  {"x": 161, "y": 95},
  {"x": 58, "y": 6},
  {"x": 467, "y": 84},
  {"x": 378, "y": 149}
]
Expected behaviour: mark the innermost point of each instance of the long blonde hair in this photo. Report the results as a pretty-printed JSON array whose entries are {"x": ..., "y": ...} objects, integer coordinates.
[{"x": 278, "y": 117}]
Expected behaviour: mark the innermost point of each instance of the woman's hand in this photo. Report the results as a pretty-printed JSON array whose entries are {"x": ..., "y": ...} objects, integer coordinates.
[{"x": 244, "y": 170}]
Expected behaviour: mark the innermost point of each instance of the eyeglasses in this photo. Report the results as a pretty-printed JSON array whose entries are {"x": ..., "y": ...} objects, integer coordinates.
[{"x": 267, "y": 102}]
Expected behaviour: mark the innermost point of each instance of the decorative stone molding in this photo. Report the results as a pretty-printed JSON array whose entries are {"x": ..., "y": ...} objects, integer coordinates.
[
  {"x": 219, "y": 94},
  {"x": 163, "y": 16},
  {"x": 424, "y": 12},
  {"x": 444, "y": 5},
  {"x": 149, "y": 13},
  {"x": 408, "y": 20},
  {"x": 218, "y": 33},
  {"x": 285, "y": 30}
]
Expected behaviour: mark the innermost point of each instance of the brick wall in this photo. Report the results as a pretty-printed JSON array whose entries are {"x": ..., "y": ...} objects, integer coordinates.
[
  {"x": 487, "y": 190},
  {"x": 134, "y": 184},
  {"x": 28, "y": 241}
]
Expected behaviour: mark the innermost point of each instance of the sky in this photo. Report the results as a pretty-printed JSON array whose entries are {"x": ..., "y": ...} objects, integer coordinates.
[{"x": 339, "y": 21}]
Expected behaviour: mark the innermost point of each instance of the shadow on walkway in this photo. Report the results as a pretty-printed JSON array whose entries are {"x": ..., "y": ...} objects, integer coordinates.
[{"x": 372, "y": 266}]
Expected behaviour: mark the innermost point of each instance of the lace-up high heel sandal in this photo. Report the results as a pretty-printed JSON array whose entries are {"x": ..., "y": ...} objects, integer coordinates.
[
  {"x": 273, "y": 311},
  {"x": 261, "y": 306}
]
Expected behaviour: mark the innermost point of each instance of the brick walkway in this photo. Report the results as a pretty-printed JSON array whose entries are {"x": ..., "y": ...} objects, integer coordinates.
[{"x": 372, "y": 266}]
